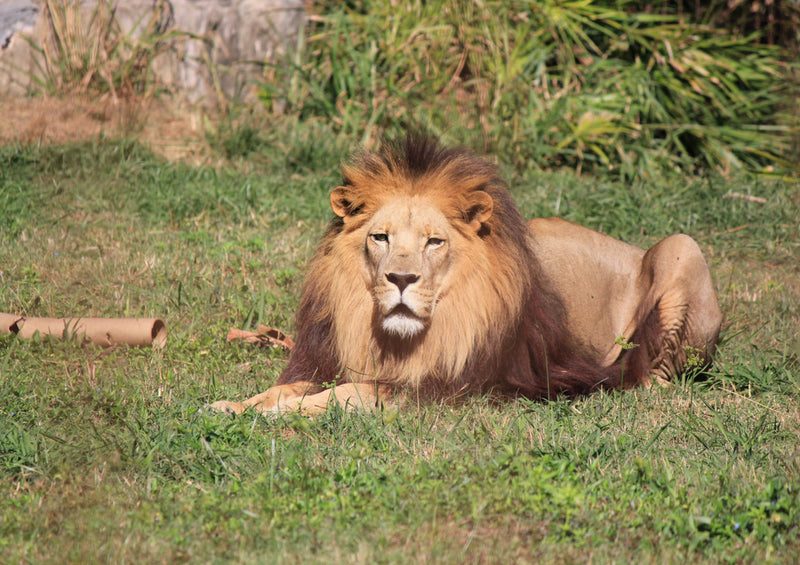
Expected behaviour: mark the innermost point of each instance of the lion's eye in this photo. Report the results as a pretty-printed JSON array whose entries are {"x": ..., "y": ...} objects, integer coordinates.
[
  {"x": 435, "y": 242},
  {"x": 380, "y": 237}
]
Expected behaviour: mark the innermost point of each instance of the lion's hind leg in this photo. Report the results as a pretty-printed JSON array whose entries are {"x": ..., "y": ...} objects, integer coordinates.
[{"x": 679, "y": 322}]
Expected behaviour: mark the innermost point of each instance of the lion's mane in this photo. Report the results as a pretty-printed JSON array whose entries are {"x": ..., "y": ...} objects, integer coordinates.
[{"x": 500, "y": 329}]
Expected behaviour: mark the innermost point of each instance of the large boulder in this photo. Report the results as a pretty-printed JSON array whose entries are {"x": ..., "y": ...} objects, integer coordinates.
[{"x": 211, "y": 49}]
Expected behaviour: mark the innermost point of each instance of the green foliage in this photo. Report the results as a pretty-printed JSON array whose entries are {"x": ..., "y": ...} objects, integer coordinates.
[
  {"x": 234, "y": 135},
  {"x": 588, "y": 83}
]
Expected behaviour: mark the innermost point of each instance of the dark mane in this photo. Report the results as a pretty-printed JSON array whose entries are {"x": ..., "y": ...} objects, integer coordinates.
[{"x": 418, "y": 156}]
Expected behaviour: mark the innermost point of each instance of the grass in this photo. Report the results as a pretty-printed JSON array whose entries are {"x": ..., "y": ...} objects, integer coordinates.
[{"x": 107, "y": 456}]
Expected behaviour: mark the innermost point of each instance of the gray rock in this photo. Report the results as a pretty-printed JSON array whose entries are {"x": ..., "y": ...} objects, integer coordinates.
[
  {"x": 239, "y": 38},
  {"x": 16, "y": 16},
  {"x": 17, "y": 65}
]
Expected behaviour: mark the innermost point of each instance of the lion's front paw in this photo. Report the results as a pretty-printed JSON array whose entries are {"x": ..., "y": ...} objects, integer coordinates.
[{"x": 227, "y": 406}]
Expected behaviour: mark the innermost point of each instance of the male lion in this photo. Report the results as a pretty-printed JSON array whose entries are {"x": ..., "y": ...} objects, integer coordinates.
[{"x": 429, "y": 283}]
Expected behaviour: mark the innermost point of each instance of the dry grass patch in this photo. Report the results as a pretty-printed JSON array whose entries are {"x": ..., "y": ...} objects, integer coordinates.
[{"x": 173, "y": 130}]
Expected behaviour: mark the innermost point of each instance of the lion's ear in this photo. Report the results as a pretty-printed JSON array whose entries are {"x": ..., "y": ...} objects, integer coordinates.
[
  {"x": 341, "y": 202},
  {"x": 479, "y": 209}
]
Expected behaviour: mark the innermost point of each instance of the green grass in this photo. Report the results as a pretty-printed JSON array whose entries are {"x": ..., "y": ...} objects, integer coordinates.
[{"x": 107, "y": 456}]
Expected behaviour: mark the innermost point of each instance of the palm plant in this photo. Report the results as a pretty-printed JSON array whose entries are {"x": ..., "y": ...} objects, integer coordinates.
[{"x": 578, "y": 83}]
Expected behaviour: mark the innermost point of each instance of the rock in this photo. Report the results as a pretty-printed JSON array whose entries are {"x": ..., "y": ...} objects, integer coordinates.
[
  {"x": 15, "y": 16},
  {"x": 212, "y": 49},
  {"x": 17, "y": 19}
]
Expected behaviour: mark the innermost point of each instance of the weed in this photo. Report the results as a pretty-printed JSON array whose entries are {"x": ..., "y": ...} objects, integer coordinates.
[
  {"x": 86, "y": 50},
  {"x": 234, "y": 136}
]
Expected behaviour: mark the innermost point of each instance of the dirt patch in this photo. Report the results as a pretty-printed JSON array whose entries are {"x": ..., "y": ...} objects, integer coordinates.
[{"x": 175, "y": 131}]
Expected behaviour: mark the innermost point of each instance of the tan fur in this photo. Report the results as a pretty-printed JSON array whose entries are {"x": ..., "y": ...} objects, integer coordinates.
[
  {"x": 430, "y": 281},
  {"x": 604, "y": 283}
]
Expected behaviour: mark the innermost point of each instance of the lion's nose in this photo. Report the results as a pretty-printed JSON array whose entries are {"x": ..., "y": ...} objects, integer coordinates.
[{"x": 402, "y": 280}]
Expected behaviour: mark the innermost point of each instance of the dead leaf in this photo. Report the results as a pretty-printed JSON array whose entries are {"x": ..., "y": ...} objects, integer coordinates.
[{"x": 264, "y": 335}]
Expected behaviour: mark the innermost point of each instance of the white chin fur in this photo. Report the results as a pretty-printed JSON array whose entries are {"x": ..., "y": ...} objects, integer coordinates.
[{"x": 402, "y": 326}]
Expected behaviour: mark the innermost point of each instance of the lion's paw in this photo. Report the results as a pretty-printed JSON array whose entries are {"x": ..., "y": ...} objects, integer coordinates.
[{"x": 226, "y": 406}]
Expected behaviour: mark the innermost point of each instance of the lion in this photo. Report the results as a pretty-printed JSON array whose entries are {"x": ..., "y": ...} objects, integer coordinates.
[{"x": 429, "y": 284}]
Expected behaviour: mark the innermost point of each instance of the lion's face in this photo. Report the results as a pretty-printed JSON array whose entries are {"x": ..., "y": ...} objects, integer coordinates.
[
  {"x": 410, "y": 241},
  {"x": 411, "y": 244},
  {"x": 408, "y": 248}
]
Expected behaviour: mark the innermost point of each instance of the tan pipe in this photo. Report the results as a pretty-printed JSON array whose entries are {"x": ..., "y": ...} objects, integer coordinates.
[{"x": 100, "y": 331}]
